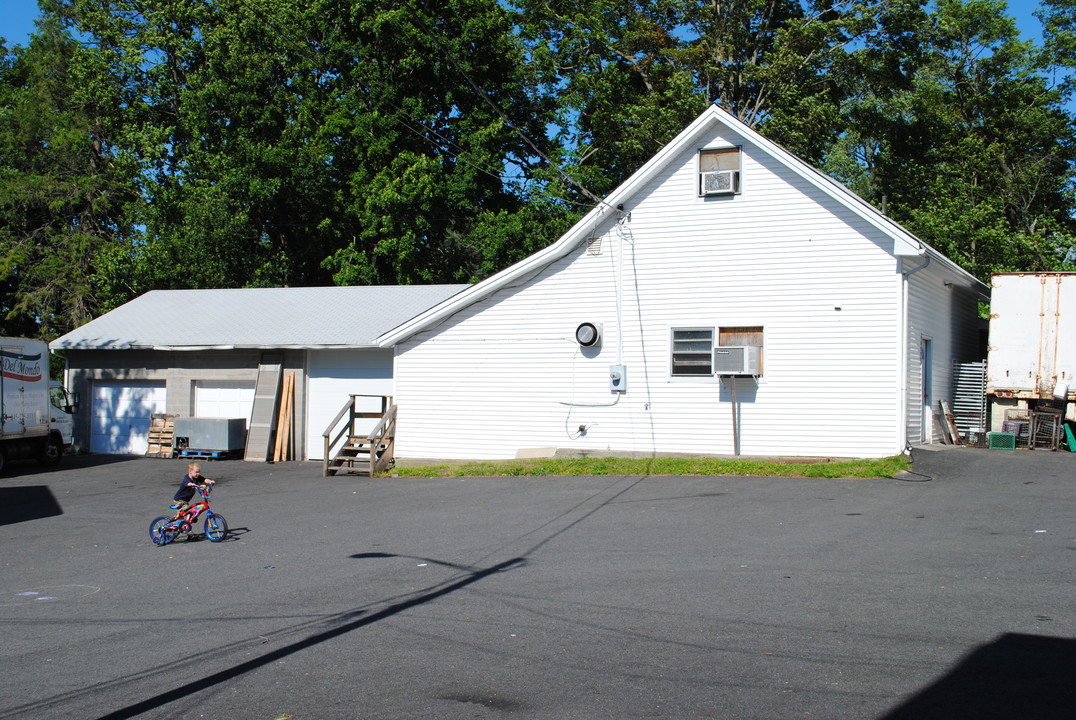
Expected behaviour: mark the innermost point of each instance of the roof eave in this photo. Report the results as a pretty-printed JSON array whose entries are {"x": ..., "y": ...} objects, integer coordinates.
[{"x": 201, "y": 348}]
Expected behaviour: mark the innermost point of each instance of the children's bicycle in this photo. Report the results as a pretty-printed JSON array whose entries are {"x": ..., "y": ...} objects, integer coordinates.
[{"x": 164, "y": 530}]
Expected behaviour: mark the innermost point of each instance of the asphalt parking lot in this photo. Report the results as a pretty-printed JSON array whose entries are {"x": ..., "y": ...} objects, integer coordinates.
[{"x": 946, "y": 594}]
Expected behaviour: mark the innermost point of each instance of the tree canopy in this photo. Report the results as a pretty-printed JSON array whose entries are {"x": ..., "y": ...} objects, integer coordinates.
[{"x": 244, "y": 143}]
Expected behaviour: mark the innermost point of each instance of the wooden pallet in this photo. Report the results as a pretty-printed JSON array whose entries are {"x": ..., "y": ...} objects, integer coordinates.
[
  {"x": 161, "y": 436},
  {"x": 210, "y": 454}
]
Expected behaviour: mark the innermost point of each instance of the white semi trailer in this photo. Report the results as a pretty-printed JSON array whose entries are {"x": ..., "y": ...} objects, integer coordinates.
[
  {"x": 1032, "y": 349},
  {"x": 35, "y": 414}
]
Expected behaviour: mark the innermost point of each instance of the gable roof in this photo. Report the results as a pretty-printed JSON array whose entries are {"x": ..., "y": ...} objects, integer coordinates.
[
  {"x": 286, "y": 318},
  {"x": 905, "y": 244}
]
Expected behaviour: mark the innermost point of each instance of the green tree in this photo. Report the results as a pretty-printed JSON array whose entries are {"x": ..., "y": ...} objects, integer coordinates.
[
  {"x": 348, "y": 142},
  {"x": 65, "y": 187},
  {"x": 964, "y": 137},
  {"x": 606, "y": 67},
  {"x": 1058, "y": 18},
  {"x": 261, "y": 142},
  {"x": 627, "y": 76},
  {"x": 776, "y": 65},
  {"x": 442, "y": 136}
]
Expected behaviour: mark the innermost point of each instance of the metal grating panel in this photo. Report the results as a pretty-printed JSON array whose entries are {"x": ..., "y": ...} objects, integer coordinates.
[{"x": 969, "y": 396}]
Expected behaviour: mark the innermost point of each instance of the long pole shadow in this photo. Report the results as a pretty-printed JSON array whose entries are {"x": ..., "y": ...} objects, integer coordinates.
[
  {"x": 472, "y": 575},
  {"x": 183, "y": 691}
]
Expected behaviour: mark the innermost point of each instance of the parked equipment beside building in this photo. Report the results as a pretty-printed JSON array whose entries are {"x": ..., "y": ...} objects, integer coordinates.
[
  {"x": 210, "y": 437},
  {"x": 36, "y": 414},
  {"x": 1032, "y": 352}
]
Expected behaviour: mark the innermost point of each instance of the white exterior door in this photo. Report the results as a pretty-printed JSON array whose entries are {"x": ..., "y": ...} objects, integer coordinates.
[
  {"x": 926, "y": 356},
  {"x": 213, "y": 399},
  {"x": 332, "y": 376},
  {"x": 121, "y": 413}
]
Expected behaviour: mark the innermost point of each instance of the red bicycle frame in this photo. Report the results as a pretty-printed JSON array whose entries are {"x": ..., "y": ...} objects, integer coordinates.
[{"x": 191, "y": 514}]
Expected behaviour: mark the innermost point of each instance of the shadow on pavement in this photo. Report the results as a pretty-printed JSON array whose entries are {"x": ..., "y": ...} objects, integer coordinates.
[
  {"x": 14, "y": 470},
  {"x": 362, "y": 620},
  {"x": 27, "y": 502},
  {"x": 1015, "y": 676}
]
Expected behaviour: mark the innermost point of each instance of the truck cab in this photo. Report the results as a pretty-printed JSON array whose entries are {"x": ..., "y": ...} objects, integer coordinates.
[{"x": 64, "y": 405}]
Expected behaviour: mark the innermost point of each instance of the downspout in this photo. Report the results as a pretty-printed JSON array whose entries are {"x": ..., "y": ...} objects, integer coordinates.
[
  {"x": 621, "y": 219},
  {"x": 903, "y": 400},
  {"x": 914, "y": 270}
]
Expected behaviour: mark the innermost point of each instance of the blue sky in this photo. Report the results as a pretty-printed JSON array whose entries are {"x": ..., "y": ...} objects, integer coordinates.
[{"x": 17, "y": 21}]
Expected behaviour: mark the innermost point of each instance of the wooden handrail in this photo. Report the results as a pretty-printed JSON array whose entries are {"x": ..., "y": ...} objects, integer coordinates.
[
  {"x": 330, "y": 444},
  {"x": 383, "y": 433}
]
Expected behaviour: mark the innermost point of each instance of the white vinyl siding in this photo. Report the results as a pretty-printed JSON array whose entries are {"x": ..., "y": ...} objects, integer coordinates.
[
  {"x": 821, "y": 280},
  {"x": 933, "y": 303}
]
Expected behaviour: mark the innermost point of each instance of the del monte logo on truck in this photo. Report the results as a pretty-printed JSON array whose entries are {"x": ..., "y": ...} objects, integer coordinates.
[{"x": 19, "y": 366}]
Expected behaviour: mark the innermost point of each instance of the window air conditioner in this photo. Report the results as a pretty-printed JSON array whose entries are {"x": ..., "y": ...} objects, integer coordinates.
[
  {"x": 737, "y": 360},
  {"x": 720, "y": 182}
]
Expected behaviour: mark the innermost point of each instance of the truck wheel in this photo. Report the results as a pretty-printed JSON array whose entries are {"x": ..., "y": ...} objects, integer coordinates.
[
  {"x": 3, "y": 460},
  {"x": 51, "y": 453}
]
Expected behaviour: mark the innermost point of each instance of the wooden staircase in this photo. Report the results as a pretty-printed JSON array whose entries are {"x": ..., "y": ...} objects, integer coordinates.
[{"x": 348, "y": 453}]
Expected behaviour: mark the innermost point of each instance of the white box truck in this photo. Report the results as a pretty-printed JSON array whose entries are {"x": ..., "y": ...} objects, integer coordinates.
[
  {"x": 1032, "y": 347},
  {"x": 35, "y": 413}
]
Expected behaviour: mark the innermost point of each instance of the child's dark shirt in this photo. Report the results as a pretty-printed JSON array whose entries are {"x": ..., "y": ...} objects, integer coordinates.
[{"x": 186, "y": 492}]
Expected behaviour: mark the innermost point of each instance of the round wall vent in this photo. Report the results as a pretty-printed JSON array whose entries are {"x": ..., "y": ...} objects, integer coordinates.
[{"x": 588, "y": 335}]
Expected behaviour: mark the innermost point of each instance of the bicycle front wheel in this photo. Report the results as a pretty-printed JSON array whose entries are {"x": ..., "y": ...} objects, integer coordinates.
[
  {"x": 161, "y": 531},
  {"x": 216, "y": 527}
]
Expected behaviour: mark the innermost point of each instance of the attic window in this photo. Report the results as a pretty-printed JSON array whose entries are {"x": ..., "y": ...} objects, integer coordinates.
[{"x": 719, "y": 171}]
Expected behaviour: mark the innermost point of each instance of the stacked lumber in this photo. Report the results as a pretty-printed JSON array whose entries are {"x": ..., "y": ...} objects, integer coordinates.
[{"x": 285, "y": 421}]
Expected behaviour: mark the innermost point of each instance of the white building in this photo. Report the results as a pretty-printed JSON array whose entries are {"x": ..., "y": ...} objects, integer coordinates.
[
  {"x": 723, "y": 239},
  {"x": 200, "y": 354}
]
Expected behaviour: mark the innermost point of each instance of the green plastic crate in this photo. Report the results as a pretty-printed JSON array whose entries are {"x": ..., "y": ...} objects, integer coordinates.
[{"x": 1002, "y": 441}]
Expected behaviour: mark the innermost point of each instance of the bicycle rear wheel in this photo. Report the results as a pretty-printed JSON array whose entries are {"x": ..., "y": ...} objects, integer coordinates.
[
  {"x": 161, "y": 531},
  {"x": 216, "y": 527}
]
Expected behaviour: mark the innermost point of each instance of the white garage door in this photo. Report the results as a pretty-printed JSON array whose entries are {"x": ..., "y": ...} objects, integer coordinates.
[
  {"x": 214, "y": 399},
  {"x": 121, "y": 416},
  {"x": 332, "y": 375}
]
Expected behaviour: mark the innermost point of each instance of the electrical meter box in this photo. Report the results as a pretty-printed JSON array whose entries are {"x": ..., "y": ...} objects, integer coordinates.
[{"x": 618, "y": 378}]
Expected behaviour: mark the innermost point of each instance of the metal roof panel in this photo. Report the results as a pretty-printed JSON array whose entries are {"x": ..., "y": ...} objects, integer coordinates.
[{"x": 351, "y": 316}]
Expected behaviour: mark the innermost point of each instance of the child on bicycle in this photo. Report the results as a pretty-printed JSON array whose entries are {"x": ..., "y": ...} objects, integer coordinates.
[{"x": 192, "y": 480}]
